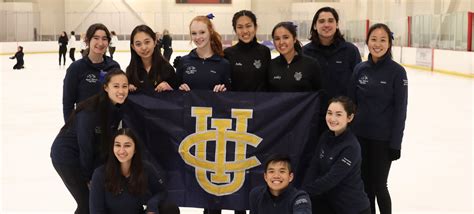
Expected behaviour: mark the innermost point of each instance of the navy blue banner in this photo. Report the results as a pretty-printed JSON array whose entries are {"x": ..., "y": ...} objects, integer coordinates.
[{"x": 213, "y": 145}]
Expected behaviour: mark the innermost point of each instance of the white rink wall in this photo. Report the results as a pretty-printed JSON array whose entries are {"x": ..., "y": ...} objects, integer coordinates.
[{"x": 459, "y": 63}]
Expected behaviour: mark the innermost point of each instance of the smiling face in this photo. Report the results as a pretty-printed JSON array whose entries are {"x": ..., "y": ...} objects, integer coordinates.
[
  {"x": 98, "y": 43},
  {"x": 326, "y": 26},
  {"x": 144, "y": 45},
  {"x": 284, "y": 41},
  {"x": 124, "y": 148},
  {"x": 117, "y": 89},
  {"x": 337, "y": 118},
  {"x": 200, "y": 34},
  {"x": 278, "y": 177},
  {"x": 245, "y": 29},
  {"x": 378, "y": 43}
]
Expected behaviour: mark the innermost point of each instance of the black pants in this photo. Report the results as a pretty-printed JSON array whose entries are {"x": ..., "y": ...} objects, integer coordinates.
[
  {"x": 375, "y": 168},
  {"x": 62, "y": 52},
  {"x": 72, "y": 52},
  {"x": 208, "y": 211},
  {"x": 18, "y": 66},
  {"x": 320, "y": 205},
  {"x": 167, "y": 53},
  {"x": 76, "y": 184},
  {"x": 111, "y": 51}
]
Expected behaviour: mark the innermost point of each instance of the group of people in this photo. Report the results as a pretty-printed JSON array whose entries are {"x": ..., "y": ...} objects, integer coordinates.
[{"x": 101, "y": 163}]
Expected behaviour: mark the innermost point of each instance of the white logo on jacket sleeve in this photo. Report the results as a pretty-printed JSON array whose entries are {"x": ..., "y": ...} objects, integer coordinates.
[
  {"x": 301, "y": 201},
  {"x": 405, "y": 82},
  {"x": 277, "y": 77},
  {"x": 346, "y": 161},
  {"x": 257, "y": 64},
  {"x": 238, "y": 64}
]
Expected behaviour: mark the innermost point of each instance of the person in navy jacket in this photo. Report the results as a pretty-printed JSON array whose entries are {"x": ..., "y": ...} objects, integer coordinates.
[
  {"x": 291, "y": 71},
  {"x": 379, "y": 87},
  {"x": 336, "y": 57},
  {"x": 148, "y": 71},
  {"x": 84, "y": 77},
  {"x": 81, "y": 144},
  {"x": 204, "y": 68},
  {"x": 334, "y": 177},
  {"x": 249, "y": 59},
  {"x": 126, "y": 184},
  {"x": 278, "y": 196}
]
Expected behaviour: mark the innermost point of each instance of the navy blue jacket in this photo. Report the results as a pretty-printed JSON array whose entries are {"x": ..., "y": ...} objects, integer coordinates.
[
  {"x": 250, "y": 62},
  {"x": 101, "y": 201},
  {"x": 79, "y": 145},
  {"x": 302, "y": 74},
  {"x": 337, "y": 62},
  {"x": 381, "y": 93},
  {"x": 290, "y": 201},
  {"x": 84, "y": 79},
  {"x": 335, "y": 173},
  {"x": 203, "y": 74}
]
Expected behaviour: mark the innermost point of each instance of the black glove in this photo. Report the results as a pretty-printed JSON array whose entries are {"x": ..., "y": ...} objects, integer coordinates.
[
  {"x": 176, "y": 61},
  {"x": 394, "y": 154}
]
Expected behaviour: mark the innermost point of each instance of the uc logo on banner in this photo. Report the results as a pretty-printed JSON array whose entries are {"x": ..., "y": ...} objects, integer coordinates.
[{"x": 220, "y": 182}]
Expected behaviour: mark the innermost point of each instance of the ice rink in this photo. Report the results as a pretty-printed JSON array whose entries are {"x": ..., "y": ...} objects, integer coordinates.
[{"x": 434, "y": 174}]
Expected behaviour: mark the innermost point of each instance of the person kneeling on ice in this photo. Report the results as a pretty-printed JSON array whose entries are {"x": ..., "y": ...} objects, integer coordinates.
[
  {"x": 19, "y": 58},
  {"x": 278, "y": 196}
]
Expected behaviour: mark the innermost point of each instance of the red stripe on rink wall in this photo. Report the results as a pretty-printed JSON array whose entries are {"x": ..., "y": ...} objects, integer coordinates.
[
  {"x": 409, "y": 31},
  {"x": 470, "y": 16}
]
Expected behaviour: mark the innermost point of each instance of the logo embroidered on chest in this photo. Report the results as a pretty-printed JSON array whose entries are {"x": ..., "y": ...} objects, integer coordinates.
[
  {"x": 257, "y": 64},
  {"x": 91, "y": 78},
  {"x": 363, "y": 80},
  {"x": 191, "y": 70},
  {"x": 298, "y": 76}
]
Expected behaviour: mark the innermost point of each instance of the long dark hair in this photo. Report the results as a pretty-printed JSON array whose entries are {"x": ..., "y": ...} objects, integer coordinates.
[
  {"x": 158, "y": 61},
  {"x": 314, "y": 33},
  {"x": 114, "y": 180},
  {"x": 215, "y": 37},
  {"x": 292, "y": 29},
  {"x": 98, "y": 103}
]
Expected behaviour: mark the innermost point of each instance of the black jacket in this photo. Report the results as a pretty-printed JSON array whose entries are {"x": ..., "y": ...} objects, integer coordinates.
[
  {"x": 290, "y": 201},
  {"x": 337, "y": 62},
  {"x": 302, "y": 74},
  {"x": 249, "y": 62}
]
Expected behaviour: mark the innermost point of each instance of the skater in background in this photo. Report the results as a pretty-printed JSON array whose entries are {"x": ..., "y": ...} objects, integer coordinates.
[
  {"x": 62, "y": 42},
  {"x": 113, "y": 44},
  {"x": 72, "y": 46},
  {"x": 166, "y": 43},
  {"x": 83, "y": 45},
  {"x": 85, "y": 77},
  {"x": 19, "y": 58},
  {"x": 379, "y": 87},
  {"x": 249, "y": 59}
]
